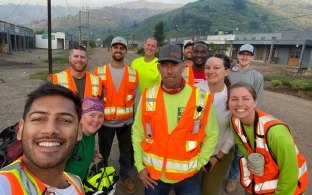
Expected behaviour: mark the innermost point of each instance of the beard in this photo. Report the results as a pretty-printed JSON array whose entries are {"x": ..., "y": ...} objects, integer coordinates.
[
  {"x": 79, "y": 67},
  {"x": 118, "y": 59}
]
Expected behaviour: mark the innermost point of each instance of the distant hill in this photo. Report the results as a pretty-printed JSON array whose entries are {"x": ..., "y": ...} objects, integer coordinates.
[
  {"x": 198, "y": 18},
  {"x": 148, "y": 5},
  {"x": 208, "y": 16},
  {"x": 105, "y": 20},
  {"x": 298, "y": 11},
  {"x": 26, "y": 13}
]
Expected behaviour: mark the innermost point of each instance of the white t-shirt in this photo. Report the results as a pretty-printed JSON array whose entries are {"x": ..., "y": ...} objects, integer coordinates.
[{"x": 225, "y": 140}]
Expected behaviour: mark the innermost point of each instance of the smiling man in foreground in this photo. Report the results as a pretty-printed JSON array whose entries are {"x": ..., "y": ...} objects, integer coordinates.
[{"x": 48, "y": 131}]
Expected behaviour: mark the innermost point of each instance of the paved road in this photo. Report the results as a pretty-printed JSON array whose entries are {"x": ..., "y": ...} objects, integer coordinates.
[{"x": 15, "y": 73}]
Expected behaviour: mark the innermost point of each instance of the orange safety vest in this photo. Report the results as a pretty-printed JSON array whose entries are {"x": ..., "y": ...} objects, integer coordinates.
[
  {"x": 188, "y": 75},
  {"x": 175, "y": 154},
  {"x": 118, "y": 105},
  {"x": 65, "y": 79},
  {"x": 22, "y": 181},
  {"x": 267, "y": 183}
]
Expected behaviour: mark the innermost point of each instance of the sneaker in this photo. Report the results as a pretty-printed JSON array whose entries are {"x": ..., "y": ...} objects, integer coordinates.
[
  {"x": 128, "y": 185},
  {"x": 230, "y": 186}
]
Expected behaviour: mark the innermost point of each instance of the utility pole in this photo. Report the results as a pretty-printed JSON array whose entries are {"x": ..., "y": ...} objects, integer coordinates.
[
  {"x": 49, "y": 37},
  {"x": 177, "y": 30},
  {"x": 83, "y": 27}
]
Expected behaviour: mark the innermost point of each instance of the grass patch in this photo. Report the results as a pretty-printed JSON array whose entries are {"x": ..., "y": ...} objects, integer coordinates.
[
  {"x": 61, "y": 58},
  {"x": 43, "y": 75},
  {"x": 299, "y": 84}
]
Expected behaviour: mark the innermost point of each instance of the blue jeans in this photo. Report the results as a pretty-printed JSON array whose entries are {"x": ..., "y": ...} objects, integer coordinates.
[
  {"x": 106, "y": 138},
  {"x": 188, "y": 186},
  {"x": 234, "y": 168}
]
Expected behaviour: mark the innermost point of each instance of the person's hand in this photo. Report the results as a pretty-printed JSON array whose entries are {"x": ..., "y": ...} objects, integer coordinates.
[
  {"x": 253, "y": 170},
  {"x": 145, "y": 178},
  {"x": 211, "y": 163},
  {"x": 97, "y": 157}
]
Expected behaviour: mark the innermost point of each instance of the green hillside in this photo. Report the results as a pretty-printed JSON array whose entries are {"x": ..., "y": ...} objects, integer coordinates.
[{"x": 208, "y": 16}]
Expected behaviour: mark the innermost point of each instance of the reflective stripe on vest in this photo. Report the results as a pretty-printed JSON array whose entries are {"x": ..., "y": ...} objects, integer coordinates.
[
  {"x": 267, "y": 185},
  {"x": 14, "y": 179},
  {"x": 29, "y": 183},
  {"x": 175, "y": 166},
  {"x": 62, "y": 79},
  {"x": 118, "y": 111},
  {"x": 151, "y": 98},
  {"x": 95, "y": 83},
  {"x": 132, "y": 75},
  {"x": 102, "y": 72},
  {"x": 186, "y": 74},
  {"x": 153, "y": 160}
]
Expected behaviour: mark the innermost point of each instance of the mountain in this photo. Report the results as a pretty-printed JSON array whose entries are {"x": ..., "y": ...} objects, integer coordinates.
[
  {"x": 198, "y": 18},
  {"x": 208, "y": 16},
  {"x": 26, "y": 13},
  {"x": 140, "y": 4},
  {"x": 102, "y": 21}
]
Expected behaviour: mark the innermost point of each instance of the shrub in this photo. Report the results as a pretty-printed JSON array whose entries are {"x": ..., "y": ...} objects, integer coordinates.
[
  {"x": 299, "y": 84},
  {"x": 276, "y": 83}
]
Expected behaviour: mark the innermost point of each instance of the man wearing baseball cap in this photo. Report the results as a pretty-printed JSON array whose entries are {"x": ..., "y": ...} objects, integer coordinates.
[
  {"x": 187, "y": 52},
  {"x": 175, "y": 130},
  {"x": 120, "y": 85},
  {"x": 242, "y": 72}
]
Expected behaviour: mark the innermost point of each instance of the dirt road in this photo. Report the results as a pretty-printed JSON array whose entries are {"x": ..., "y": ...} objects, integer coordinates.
[{"x": 15, "y": 85}]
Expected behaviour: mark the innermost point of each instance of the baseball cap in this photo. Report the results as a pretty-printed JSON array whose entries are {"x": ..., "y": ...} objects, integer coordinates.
[
  {"x": 190, "y": 43},
  {"x": 119, "y": 40},
  {"x": 246, "y": 47},
  {"x": 170, "y": 52}
]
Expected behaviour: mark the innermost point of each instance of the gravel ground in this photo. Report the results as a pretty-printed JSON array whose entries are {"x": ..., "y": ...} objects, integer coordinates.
[{"x": 15, "y": 85}]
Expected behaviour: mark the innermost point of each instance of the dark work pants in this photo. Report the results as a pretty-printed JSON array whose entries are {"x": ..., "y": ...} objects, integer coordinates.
[{"x": 106, "y": 138}]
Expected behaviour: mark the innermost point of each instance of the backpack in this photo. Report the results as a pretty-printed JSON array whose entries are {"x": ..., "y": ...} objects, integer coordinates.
[
  {"x": 10, "y": 148},
  {"x": 101, "y": 180}
]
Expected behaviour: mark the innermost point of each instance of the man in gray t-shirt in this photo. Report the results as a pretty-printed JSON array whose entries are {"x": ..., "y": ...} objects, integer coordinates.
[{"x": 244, "y": 73}]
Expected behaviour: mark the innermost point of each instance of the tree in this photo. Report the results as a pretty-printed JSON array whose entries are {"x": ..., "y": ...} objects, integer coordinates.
[
  {"x": 239, "y": 4},
  {"x": 159, "y": 33}
]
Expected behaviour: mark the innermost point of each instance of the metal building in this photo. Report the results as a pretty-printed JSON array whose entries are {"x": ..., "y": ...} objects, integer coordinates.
[{"x": 15, "y": 38}]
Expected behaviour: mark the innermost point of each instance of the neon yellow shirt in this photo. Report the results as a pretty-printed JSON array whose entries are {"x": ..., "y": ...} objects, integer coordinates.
[
  {"x": 148, "y": 72},
  {"x": 172, "y": 104}
]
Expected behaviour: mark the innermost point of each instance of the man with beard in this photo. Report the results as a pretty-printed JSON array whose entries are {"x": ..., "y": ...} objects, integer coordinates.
[
  {"x": 77, "y": 78},
  {"x": 200, "y": 56},
  {"x": 188, "y": 74},
  {"x": 147, "y": 65},
  {"x": 187, "y": 52},
  {"x": 120, "y": 87},
  {"x": 48, "y": 130}
]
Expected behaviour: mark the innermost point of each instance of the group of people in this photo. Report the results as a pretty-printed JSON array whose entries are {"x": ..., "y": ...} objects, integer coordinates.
[{"x": 185, "y": 125}]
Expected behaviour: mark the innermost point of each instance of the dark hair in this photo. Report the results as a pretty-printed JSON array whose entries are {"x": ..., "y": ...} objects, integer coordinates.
[
  {"x": 226, "y": 64},
  {"x": 79, "y": 47},
  {"x": 49, "y": 89},
  {"x": 247, "y": 86},
  {"x": 203, "y": 43}
]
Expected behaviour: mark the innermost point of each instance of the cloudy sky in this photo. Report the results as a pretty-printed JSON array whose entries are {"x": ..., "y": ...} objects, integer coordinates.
[{"x": 84, "y": 3}]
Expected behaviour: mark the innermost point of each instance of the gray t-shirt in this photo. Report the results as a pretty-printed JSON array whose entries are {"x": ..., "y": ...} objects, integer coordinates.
[{"x": 250, "y": 76}]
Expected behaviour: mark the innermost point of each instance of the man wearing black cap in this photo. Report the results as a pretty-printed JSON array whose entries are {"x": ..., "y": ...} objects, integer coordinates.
[
  {"x": 243, "y": 73},
  {"x": 120, "y": 84},
  {"x": 175, "y": 130}
]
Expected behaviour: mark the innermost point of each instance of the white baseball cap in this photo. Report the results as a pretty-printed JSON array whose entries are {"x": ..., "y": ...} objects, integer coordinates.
[{"x": 246, "y": 47}]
